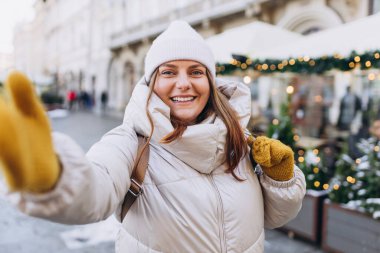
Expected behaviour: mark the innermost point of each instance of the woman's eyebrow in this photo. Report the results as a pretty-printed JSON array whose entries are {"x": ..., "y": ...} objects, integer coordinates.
[
  {"x": 168, "y": 65},
  {"x": 196, "y": 66},
  {"x": 174, "y": 66}
]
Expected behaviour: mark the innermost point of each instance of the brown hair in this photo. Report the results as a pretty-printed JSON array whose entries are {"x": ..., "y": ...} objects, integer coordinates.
[{"x": 235, "y": 145}]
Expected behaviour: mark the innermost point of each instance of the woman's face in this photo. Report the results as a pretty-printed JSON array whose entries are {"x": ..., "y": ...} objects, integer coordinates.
[{"x": 184, "y": 87}]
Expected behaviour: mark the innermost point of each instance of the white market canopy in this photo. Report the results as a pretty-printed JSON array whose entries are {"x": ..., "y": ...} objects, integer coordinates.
[
  {"x": 360, "y": 35},
  {"x": 248, "y": 40}
]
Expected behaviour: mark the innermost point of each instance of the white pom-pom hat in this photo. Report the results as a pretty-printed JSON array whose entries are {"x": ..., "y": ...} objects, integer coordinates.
[{"x": 178, "y": 42}]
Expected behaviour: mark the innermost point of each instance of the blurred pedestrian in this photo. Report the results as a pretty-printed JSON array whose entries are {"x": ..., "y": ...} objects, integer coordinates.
[
  {"x": 200, "y": 192},
  {"x": 104, "y": 99},
  {"x": 85, "y": 100},
  {"x": 350, "y": 104},
  {"x": 71, "y": 98}
]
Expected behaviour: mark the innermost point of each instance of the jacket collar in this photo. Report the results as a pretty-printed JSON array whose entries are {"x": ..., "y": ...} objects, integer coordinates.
[{"x": 201, "y": 146}]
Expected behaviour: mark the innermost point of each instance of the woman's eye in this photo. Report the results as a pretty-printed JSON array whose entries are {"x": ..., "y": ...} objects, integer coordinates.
[
  {"x": 167, "y": 72},
  {"x": 197, "y": 72}
]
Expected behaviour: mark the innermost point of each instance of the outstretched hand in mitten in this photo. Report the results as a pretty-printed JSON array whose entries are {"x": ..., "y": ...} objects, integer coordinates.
[
  {"x": 27, "y": 158},
  {"x": 275, "y": 158}
]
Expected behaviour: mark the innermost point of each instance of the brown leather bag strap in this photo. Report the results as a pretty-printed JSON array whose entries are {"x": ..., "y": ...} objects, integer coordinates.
[{"x": 137, "y": 177}]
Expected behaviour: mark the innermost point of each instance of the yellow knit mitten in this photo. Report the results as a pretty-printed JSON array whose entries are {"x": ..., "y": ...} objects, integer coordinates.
[
  {"x": 275, "y": 158},
  {"x": 27, "y": 158}
]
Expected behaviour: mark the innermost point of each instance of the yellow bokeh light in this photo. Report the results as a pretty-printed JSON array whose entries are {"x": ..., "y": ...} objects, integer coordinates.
[
  {"x": 376, "y": 149},
  {"x": 357, "y": 59},
  {"x": 247, "y": 79},
  {"x": 306, "y": 58},
  {"x": 243, "y": 66},
  {"x": 371, "y": 76},
  {"x": 292, "y": 61},
  {"x": 275, "y": 122},
  {"x": 290, "y": 89},
  {"x": 280, "y": 66},
  {"x": 368, "y": 64},
  {"x": 301, "y": 152},
  {"x": 265, "y": 66},
  {"x": 377, "y": 55},
  {"x": 301, "y": 159},
  {"x": 357, "y": 161},
  {"x": 351, "y": 180},
  {"x": 312, "y": 63},
  {"x": 325, "y": 186},
  {"x": 317, "y": 184},
  {"x": 248, "y": 61},
  {"x": 336, "y": 187},
  {"x": 316, "y": 170},
  {"x": 296, "y": 138},
  {"x": 351, "y": 64},
  {"x": 315, "y": 151}
]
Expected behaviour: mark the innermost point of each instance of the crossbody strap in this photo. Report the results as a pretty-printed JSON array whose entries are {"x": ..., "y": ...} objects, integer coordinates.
[{"x": 137, "y": 177}]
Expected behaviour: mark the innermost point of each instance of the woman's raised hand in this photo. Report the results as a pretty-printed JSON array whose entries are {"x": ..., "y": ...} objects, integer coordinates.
[
  {"x": 27, "y": 157},
  {"x": 275, "y": 158}
]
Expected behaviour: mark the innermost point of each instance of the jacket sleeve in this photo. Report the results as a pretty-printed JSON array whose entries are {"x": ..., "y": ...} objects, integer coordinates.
[
  {"x": 91, "y": 186},
  {"x": 282, "y": 199}
]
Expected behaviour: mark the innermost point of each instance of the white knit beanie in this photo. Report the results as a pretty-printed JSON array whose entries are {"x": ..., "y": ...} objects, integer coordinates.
[{"x": 178, "y": 42}]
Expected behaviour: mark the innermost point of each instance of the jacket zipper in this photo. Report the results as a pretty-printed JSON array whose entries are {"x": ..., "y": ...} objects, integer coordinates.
[{"x": 222, "y": 234}]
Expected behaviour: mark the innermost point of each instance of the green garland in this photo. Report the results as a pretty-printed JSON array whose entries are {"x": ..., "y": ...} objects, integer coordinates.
[{"x": 367, "y": 60}]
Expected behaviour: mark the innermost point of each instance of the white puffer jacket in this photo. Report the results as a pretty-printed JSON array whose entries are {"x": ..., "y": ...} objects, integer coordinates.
[{"x": 189, "y": 203}]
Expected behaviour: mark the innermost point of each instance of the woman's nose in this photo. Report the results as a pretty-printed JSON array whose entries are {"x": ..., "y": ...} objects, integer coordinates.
[{"x": 183, "y": 81}]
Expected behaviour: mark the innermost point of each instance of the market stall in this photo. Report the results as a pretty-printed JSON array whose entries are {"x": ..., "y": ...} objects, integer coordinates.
[{"x": 248, "y": 39}]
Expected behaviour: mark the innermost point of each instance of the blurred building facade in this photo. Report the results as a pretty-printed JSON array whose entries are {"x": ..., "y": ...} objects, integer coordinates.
[
  {"x": 98, "y": 45},
  {"x": 6, "y": 63}
]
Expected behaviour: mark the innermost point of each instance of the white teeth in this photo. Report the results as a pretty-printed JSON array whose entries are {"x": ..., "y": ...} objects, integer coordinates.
[{"x": 182, "y": 99}]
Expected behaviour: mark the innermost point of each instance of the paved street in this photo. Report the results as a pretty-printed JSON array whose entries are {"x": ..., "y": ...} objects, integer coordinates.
[{"x": 23, "y": 234}]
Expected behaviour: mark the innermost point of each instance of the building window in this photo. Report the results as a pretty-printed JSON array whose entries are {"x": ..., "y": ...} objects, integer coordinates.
[{"x": 375, "y": 6}]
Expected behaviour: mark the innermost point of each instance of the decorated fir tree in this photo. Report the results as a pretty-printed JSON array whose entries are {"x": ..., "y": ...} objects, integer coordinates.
[
  {"x": 281, "y": 128},
  {"x": 316, "y": 174},
  {"x": 357, "y": 183}
]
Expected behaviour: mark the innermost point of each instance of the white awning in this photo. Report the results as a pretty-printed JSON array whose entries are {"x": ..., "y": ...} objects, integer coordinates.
[
  {"x": 360, "y": 35},
  {"x": 248, "y": 40}
]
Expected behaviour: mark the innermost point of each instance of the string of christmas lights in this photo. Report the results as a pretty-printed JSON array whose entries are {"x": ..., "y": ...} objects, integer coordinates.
[{"x": 305, "y": 64}]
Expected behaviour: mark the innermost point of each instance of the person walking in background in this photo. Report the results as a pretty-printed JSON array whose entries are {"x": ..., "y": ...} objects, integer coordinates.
[
  {"x": 71, "y": 98},
  {"x": 104, "y": 100},
  {"x": 200, "y": 192},
  {"x": 350, "y": 104}
]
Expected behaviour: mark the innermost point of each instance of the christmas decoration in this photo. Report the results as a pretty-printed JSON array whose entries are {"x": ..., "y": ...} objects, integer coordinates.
[
  {"x": 309, "y": 161},
  {"x": 357, "y": 183},
  {"x": 305, "y": 64},
  {"x": 281, "y": 128},
  {"x": 316, "y": 174}
]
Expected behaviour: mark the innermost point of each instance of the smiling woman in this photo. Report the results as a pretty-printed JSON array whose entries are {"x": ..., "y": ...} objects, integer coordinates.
[{"x": 200, "y": 192}]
